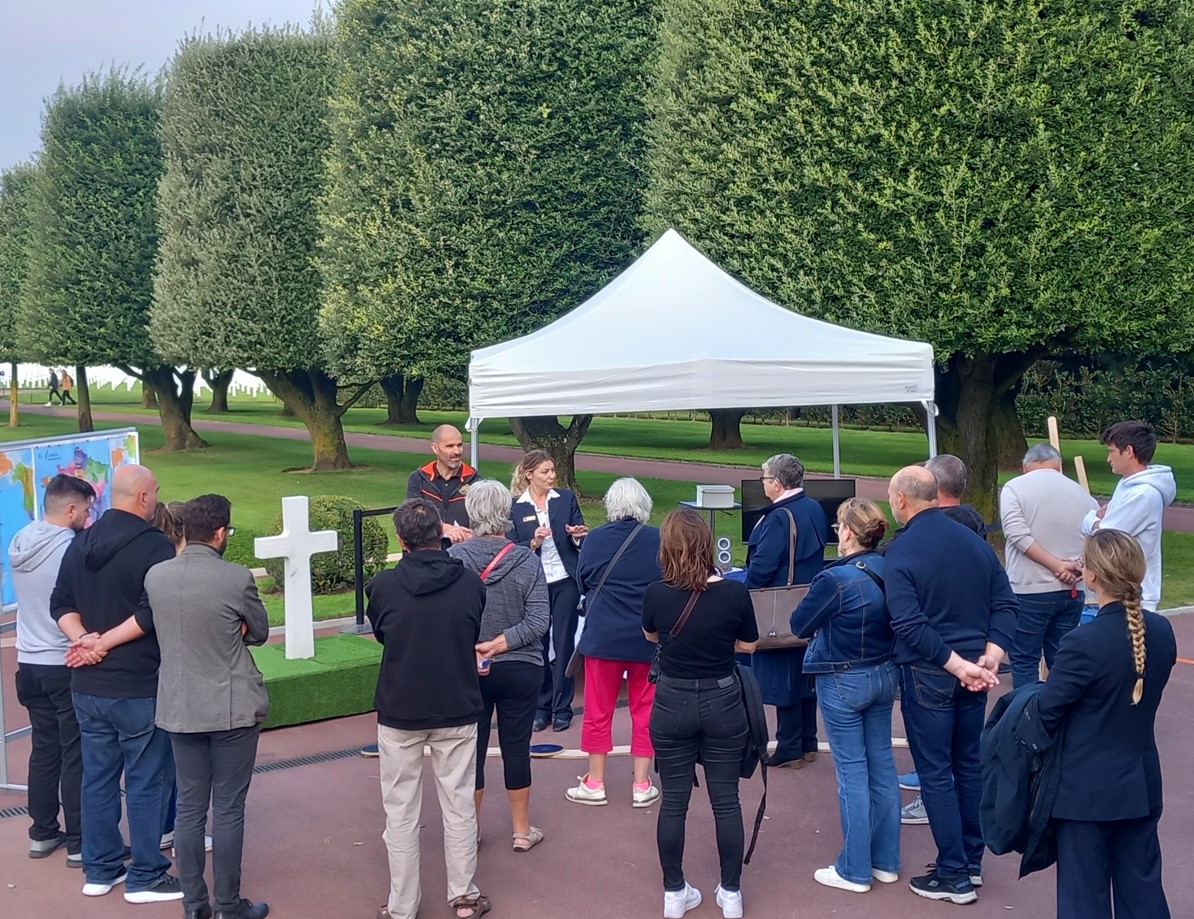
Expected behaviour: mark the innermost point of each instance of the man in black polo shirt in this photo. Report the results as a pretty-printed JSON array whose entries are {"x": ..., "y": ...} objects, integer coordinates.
[{"x": 445, "y": 482}]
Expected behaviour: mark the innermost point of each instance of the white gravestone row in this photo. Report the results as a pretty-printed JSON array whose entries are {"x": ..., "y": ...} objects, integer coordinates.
[{"x": 296, "y": 544}]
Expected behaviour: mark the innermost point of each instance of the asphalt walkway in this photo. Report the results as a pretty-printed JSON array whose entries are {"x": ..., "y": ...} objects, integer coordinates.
[{"x": 1178, "y": 517}]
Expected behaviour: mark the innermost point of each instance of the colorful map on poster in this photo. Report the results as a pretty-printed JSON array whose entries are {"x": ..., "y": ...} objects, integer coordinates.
[
  {"x": 27, "y": 467},
  {"x": 17, "y": 505}
]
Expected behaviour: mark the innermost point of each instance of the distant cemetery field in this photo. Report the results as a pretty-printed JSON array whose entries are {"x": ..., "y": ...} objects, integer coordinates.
[{"x": 863, "y": 452}]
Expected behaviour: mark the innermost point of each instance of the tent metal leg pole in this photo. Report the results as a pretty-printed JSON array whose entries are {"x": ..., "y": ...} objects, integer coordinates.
[
  {"x": 931, "y": 415},
  {"x": 472, "y": 443},
  {"x": 837, "y": 445}
]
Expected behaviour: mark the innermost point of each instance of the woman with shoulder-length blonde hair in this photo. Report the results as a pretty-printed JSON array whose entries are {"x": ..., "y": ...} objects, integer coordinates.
[
  {"x": 700, "y": 620},
  {"x": 547, "y": 520},
  {"x": 1105, "y": 686}
]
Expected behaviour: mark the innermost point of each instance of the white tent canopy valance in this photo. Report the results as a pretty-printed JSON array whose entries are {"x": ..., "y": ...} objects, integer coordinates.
[{"x": 674, "y": 331}]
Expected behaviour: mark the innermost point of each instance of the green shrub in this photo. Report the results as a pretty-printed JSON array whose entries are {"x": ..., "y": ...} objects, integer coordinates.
[
  {"x": 332, "y": 571},
  {"x": 240, "y": 548}
]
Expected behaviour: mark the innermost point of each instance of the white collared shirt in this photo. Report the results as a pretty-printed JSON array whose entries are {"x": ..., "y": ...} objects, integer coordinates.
[{"x": 549, "y": 555}]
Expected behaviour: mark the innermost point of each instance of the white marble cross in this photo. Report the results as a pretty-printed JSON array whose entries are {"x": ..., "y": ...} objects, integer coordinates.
[{"x": 297, "y": 543}]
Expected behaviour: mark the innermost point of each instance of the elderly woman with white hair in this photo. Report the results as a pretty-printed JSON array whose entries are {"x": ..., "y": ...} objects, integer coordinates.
[
  {"x": 617, "y": 562},
  {"x": 509, "y": 661}
]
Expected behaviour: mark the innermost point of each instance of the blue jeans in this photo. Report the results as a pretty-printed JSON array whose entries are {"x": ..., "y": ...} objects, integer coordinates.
[
  {"x": 856, "y": 705},
  {"x": 119, "y": 735},
  {"x": 944, "y": 723},
  {"x": 1043, "y": 622},
  {"x": 705, "y": 720}
]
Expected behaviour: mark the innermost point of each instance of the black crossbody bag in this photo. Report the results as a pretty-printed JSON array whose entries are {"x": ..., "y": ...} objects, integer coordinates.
[
  {"x": 576, "y": 663},
  {"x": 656, "y": 668}
]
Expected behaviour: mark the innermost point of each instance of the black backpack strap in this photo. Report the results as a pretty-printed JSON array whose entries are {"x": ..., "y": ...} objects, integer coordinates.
[
  {"x": 861, "y": 566},
  {"x": 759, "y": 814}
]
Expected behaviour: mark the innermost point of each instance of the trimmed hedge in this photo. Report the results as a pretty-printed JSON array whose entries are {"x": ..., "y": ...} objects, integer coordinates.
[{"x": 332, "y": 571}]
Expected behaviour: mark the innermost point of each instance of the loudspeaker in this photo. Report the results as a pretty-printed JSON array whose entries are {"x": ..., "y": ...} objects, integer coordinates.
[{"x": 724, "y": 558}]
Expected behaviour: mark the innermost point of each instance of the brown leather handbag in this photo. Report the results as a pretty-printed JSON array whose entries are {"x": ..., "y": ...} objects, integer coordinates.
[{"x": 774, "y": 605}]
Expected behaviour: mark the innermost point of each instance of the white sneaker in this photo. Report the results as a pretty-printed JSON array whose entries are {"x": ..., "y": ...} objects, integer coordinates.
[
  {"x": 174, "y": 851},
  {"x": 884, "y": 877},
  {"x": 646, "y": 797},
  {"x": 677, "y": 903},
  {"x": 91, "y": 889},
  {"x": 730, "y": 902},
  {"x": 583, "y": 794},
  {"x": 830, "y": 878}
]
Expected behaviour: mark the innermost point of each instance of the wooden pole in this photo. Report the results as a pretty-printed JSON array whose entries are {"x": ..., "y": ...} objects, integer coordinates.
[
  {"x": 1080, "y": 470},
  {"x": 1054, "y": 437}
]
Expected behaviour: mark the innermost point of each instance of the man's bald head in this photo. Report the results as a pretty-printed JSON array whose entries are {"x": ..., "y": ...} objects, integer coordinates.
[
  {"x": 911, "y": 490},
  {"x": 448, "y": 447},
  {"x": 135, "y": 490}
]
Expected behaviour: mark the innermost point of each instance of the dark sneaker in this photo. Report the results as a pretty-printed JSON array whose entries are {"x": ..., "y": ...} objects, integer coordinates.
[
  {"x": 370, "y": 751},
  {"x": 934, "y": 887},
  {"x": 247, "y": 910},
  {"x": 166, "y": 888},
  {"x": 976, "y": 875}
]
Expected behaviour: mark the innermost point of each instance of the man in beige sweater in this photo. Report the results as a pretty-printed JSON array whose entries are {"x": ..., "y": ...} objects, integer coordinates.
[{"x": 1042, "y": 513}]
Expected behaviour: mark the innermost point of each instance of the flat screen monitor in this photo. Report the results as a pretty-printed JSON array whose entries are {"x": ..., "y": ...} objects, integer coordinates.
[{"x": 829, "y": 493}]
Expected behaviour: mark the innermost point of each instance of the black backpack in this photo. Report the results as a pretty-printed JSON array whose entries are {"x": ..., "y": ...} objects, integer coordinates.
[{"x": 756, "y": 745}]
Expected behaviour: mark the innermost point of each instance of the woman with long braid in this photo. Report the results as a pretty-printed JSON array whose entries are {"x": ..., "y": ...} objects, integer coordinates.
[{"x": 1105, "y": 685}]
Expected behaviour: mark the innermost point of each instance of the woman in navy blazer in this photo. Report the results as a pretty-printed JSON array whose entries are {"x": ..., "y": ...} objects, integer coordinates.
[
  {"x": 548, "y": 521},
  {"x": 1105, "y": 686}
]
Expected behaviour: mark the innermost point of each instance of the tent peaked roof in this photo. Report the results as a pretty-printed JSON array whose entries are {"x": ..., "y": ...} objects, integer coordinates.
[{"x": 674, "y": 331}]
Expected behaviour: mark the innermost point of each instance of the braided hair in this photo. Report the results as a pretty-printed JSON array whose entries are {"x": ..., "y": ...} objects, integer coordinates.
[{"x": 1117, "y": 561}]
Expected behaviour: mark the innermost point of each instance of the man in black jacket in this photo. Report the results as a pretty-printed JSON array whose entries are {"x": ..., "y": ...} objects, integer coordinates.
[
  {"x": 426, "y": 611},
  {"x": 99, "y": 586},
  {"x": 953, "y": 613}
]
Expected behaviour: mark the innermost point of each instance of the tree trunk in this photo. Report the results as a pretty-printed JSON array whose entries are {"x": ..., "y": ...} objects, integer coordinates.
[
  {"x": 219, "y": 381},
  {"x": 546, "y": 433},
  {"x": 977, "y": 421},
  {"x": 311, "y": 396},
  {"x": 175, "y": 392},
  {"x": 149, "y": 398},
  {"x": 14, "y": 392},
  {"x": 726, "y": 433},
  {"x": 402, "y": 399},
  {"x": 86, "y": 422},
  {"x": 286, "y": 410}
]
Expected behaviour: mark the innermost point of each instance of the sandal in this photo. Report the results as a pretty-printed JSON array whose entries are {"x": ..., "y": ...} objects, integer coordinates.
[
  {"x": 479, "y": 905},
  {"x": 524, "y": 842}
]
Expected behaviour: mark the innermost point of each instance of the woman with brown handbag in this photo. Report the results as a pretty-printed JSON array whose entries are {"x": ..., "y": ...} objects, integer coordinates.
[{"x": 781, "y": 672}]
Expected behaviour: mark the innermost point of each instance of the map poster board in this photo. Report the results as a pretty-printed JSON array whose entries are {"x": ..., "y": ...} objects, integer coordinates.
[{"x": 27, "y": 466}]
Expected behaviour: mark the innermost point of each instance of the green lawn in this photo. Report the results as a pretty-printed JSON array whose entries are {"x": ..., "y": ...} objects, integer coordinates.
[
  {"x": 249, "y": 471},
  {"x": 869, "y": 453}
]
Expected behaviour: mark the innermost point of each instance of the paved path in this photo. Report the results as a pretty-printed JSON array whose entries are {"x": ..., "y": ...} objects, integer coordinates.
[
  {"x": 313, "y": 838},
  {"x": 1179, "y": 518}
]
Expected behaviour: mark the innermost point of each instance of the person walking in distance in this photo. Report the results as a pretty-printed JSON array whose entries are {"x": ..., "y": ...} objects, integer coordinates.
[
  {"x": 68, "y": 384},
  {"x": 42, "y": 678},
  {"x": 99, "y": 585},
  {"x": 53, "y": 386}
]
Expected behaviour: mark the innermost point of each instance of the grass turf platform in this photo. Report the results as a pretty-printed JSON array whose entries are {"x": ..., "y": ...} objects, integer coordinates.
[{"x": 339, "y": 680}]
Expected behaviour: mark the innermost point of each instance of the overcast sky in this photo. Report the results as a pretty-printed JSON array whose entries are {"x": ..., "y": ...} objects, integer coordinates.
[{"x": 47, "y": 42}]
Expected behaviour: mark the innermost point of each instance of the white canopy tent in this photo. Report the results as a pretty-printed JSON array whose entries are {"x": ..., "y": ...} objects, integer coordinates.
[{"x": 674, "y": 331}]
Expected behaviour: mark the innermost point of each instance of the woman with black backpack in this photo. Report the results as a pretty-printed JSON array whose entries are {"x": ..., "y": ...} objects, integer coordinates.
[{"x": 699, "y": 621}]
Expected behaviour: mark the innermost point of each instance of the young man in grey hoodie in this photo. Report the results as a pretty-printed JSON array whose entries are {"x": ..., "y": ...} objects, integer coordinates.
[
  {"x": 43, "y": 679},
  {"x": 1139, "y": 500}
]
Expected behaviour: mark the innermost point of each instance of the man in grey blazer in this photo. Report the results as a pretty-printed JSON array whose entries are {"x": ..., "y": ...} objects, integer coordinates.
[{"x": 211, "y": 698}]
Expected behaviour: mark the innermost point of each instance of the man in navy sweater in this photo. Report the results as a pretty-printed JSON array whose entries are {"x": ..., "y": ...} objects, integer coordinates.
[{"x": 953, "y": 612}]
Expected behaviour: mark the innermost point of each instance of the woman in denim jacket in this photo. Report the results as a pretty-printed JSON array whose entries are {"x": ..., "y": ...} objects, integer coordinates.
[{"x": 850, "y": 655}]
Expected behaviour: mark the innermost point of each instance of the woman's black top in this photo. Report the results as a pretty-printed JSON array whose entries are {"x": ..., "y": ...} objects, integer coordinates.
[{"x": 704, "y": 649}]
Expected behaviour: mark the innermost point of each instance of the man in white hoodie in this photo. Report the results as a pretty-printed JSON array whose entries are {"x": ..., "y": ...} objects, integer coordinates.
[
  {"x": 43, "y": 679},
  {"x": 1139, "y": 500}
]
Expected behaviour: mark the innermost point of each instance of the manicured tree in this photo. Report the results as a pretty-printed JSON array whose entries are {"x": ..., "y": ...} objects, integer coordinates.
[
  {"x": 1001, "y": 179},
  {"x": 485, "y": 177},
  {"x": 244, "y": 136},
  {"x": 16, "y": 223},
  {"x": 86, "y": 300}
]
